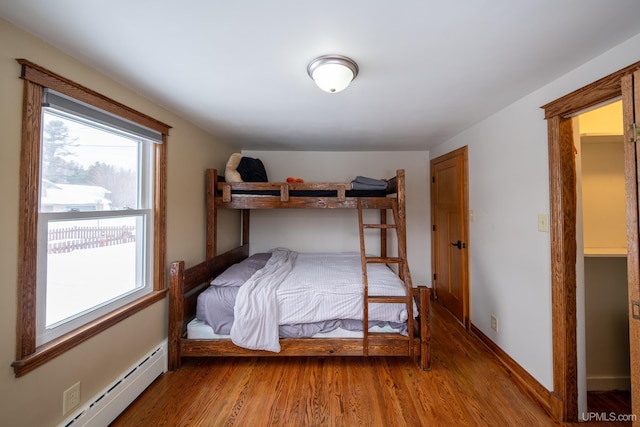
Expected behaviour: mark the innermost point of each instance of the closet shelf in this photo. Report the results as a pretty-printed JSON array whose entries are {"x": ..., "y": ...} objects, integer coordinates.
[{"x": 605, "y": 252}]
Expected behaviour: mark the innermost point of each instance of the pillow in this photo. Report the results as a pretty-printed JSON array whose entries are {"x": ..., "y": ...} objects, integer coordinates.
[
  {"x": 252, "y": 170},
  {"x": 231, "y": 173},
  {"x": 239, "y": 273}
]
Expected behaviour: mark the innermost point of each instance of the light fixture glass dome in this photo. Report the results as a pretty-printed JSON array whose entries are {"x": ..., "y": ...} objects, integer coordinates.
[{"x": 332, "y": 73}]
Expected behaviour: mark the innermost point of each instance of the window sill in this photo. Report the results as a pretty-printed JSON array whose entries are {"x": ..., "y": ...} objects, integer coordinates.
[{"x": 52, "y": 349}]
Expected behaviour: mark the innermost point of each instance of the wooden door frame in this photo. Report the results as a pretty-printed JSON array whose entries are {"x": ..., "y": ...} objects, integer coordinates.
[
  {"x": 464, "y": 152},
  {"x": 562, "y": 194}
]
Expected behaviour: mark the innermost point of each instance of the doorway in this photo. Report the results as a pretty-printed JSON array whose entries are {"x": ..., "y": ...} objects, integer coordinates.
[
  {"x": 562, "y": 176},
  {"x": 601, "y": 276}
]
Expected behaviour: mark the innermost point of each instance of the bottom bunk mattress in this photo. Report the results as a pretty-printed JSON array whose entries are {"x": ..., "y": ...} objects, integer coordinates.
[
  {"x": 199, "y": 330},
  {"x": 289, "y": 294}
]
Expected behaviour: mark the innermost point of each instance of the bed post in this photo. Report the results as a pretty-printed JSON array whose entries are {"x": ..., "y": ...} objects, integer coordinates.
[
  {"x": 245, "y": 226},
  {"x": 176, "y": 313},
  {"x": 402, "y": 207},
  {"x": 424, "y": 301},
  {"x": 211, "y": 184}
]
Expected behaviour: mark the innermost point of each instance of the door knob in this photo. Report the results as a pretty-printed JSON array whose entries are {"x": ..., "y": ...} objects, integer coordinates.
[{"x": 459, "y": 244}]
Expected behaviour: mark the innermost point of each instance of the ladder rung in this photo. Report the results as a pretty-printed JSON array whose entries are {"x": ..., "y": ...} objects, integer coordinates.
[
  {"x": 384, "y": 336},
  {"x": 382, "y": 299},
  {"x": 383, "y": 260},
  {"x": 379, "y": 226}
]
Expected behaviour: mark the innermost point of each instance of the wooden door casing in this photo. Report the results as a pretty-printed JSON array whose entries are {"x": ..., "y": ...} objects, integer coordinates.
[
  {"x": 562, "y": 192},
  {"x": 631, "y": 114}
]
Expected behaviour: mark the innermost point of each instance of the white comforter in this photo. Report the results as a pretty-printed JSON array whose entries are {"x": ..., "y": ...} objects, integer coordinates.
[{"x": 303, "y": 288}]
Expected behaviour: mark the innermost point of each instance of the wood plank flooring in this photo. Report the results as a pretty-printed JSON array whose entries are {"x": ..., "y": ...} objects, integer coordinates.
[{"x": 465, "y": 387}]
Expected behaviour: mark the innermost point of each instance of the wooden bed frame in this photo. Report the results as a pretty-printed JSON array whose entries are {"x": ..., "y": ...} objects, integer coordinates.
[{"x": 186, "y": 283}]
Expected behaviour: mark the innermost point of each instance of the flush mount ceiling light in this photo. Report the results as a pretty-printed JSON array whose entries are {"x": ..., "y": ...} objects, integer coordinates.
[{"x": 332, "y": 73}]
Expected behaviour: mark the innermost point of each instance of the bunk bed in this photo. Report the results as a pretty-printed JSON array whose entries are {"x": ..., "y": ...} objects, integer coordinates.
[{"x": 186, "y": 284}]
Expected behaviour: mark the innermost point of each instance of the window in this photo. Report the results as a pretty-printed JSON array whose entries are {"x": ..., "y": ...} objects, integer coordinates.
[
  {"x": 92, "y": 224},
  {"x": 95, "y": 215}
]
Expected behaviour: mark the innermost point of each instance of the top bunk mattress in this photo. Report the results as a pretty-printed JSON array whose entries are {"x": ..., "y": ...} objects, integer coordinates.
[{"x": 311, "y": 193}]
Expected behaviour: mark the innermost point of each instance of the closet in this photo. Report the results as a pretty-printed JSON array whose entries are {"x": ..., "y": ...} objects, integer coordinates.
[{"x": 604, "y": 244}]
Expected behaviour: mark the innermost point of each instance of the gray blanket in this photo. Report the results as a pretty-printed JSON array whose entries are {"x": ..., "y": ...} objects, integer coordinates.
[{"x": 364, "y": 183}]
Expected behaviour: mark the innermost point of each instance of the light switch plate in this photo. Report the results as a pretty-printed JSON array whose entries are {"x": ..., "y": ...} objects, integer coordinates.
[{"x": 543, "y": 223}]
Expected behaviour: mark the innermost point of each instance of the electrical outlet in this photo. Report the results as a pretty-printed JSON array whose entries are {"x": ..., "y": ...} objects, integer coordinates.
[
  {"x": 70, "y": 398},
  {"x": 494, "y": 322}
]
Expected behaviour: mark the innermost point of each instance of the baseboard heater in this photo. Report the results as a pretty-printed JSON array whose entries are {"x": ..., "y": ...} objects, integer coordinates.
[{"x": 106, "y": 406}]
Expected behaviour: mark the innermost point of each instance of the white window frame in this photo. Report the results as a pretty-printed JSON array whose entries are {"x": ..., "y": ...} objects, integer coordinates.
[{"x": 73, "y": 110}]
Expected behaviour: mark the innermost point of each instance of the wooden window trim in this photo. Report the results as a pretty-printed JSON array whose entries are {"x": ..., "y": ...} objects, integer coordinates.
[{"x": 28, "y": 356}]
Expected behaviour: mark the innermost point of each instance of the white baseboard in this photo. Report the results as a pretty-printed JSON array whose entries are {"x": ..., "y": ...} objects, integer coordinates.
[
  {"x": 608, "y": 383},
  {"x": 106, "y": 406}
]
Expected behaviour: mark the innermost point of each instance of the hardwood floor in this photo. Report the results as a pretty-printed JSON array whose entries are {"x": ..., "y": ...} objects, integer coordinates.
[
  {"x": 608, "y": 402},
  {"x": 465, "y": 387}
]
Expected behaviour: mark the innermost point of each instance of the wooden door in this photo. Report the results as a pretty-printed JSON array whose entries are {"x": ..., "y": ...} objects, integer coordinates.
[
  {"x": 449, "y": 232},
  {"x": 631, "y": 118}
]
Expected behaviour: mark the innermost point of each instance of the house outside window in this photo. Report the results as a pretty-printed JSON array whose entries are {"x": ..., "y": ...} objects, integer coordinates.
[{"x": 93, "y": 225}]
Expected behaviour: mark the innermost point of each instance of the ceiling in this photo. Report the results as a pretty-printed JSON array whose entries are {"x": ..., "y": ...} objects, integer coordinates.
[{"x": 238, "y": 69}]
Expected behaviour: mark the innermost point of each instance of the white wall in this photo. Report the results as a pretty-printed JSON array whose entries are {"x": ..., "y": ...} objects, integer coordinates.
[
  {"x": 508, "y": 187},
  {"x": 337, "y": 230}
]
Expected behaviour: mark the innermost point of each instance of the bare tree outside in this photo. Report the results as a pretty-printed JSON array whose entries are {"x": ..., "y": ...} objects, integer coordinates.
[{"x": 57, "y": 147}]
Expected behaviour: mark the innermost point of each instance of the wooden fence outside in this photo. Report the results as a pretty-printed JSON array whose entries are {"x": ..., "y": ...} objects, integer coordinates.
[{"x": 61, "y": 240}]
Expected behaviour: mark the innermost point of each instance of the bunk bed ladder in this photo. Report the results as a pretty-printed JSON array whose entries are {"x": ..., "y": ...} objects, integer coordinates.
[{"x": 403, "y": 272}]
